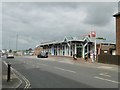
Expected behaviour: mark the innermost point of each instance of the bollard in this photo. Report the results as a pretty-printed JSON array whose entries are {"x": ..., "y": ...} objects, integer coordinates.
[{"x": 9, "y": 72}]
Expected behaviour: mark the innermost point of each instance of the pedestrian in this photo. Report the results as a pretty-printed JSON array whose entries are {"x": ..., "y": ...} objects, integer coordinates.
[
  {"x": 74, "y": 57},
  {"x": 86, "y": 58},
  {"x": 92, "y": 56}
]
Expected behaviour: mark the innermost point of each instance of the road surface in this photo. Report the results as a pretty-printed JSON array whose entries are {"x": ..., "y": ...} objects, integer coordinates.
[{"x": 53, "y": 73}]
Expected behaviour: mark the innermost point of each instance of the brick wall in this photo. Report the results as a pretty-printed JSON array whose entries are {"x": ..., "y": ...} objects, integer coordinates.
[
  {"x": 118, "y": 35},
  {"x": 109, "y": 59}
]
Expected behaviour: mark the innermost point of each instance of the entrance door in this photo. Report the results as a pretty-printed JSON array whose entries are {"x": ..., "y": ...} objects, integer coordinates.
[{"x": 79, "y": 52}]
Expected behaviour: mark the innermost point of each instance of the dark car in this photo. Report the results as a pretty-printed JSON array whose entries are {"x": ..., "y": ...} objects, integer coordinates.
[{"x": 43, "y": 55}]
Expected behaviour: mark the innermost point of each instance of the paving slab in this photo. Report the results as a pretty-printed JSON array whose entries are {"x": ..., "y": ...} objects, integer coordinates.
[{"x": 14, "y": 82}]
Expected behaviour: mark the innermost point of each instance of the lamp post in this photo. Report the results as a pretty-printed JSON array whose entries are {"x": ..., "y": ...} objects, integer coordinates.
[
  {"x": 98, "y": 38},
  {"x": 16, "y": 42},
  {"x": 93, "y": 35},
  {"x": 95, "y": 48},
  {"x": 9, "y": 43}
]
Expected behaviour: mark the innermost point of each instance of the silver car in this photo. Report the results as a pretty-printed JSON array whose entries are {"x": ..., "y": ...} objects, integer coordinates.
[{"x": 10, "y": 55}]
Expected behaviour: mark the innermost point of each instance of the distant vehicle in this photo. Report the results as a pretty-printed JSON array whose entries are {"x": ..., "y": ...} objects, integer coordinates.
[
  {"x": 31, "y": 54},
  {"x": 0, "y": 54},
  {"x": 10, "y": 55},
  {"x": 43, "y": 55}
]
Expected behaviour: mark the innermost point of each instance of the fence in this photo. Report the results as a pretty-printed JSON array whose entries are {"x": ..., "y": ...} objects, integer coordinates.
[{"x": 109, "y": 59}]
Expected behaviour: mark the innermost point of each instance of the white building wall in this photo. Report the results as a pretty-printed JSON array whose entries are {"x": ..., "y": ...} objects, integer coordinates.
[
  {"x": 52, "y": 50},
  {"x": 75, "y": 49},
  {"x": 114, "y": 52},
  {"x": 83, "y": 52},
  {"x": 60, "y": 51},
  {"x": 69, "y": 50}
]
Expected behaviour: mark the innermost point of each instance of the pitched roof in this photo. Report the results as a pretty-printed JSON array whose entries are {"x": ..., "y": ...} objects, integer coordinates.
[
  {"x": 67, "y": 39},
  {"x": 79, "y": 38},
  {"x": 117, "y": 14}
]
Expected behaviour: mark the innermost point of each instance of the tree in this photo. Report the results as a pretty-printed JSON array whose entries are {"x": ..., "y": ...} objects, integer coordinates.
[{"x": 10, "y": 51}]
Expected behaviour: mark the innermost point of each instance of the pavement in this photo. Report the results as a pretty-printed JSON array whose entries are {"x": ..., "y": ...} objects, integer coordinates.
[
  {"x": 80, "y": 62},
  {"x": 15, "y": 81}
]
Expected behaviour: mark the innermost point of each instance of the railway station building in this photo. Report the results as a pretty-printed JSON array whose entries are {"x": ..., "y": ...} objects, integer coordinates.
[{"x": 69, "y": 46}]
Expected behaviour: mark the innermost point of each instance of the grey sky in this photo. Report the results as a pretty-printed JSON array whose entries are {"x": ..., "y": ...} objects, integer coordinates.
[{"x": 39, "y": 22}]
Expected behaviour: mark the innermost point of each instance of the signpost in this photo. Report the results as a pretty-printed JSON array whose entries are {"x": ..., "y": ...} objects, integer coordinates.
[{"x": 93, "y": 35}]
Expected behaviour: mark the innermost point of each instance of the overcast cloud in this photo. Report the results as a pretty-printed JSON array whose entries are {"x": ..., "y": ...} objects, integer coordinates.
[{"x": 40, "y": 22}]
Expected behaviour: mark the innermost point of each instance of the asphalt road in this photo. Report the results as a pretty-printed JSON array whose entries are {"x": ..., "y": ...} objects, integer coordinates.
[{"x": 52, "y": 73}]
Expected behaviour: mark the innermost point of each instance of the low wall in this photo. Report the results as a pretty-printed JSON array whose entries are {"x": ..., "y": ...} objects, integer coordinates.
[{"x": 109, "y": 59}]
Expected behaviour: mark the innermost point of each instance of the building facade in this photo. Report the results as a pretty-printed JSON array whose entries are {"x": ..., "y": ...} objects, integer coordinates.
[
  {"x": 106, "y": 48},
  {"x": 38, "y": 50},
  {"x": 117, "y": 33},
  {"x": 69, "y": 46}
]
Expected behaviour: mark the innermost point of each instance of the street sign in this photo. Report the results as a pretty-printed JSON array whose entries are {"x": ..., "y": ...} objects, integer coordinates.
[
  {"x": 101, "y": 38},
  {"x": 92, "y": 34}
]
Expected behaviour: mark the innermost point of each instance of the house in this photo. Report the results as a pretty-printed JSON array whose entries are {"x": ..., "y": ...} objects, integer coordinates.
[
  {"x": 38, "y": 49},
  {"x": 106, "y": 48},
  {"x": 29, "y": 51}
]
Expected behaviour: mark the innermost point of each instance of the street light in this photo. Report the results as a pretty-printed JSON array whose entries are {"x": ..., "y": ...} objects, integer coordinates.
[
  {"x": 95, "y": 46},
  {"x": 16, "y": 42},
  {"x": 98, "y": 38}
]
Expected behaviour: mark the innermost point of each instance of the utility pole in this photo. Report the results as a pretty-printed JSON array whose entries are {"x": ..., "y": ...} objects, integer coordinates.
[
  {"x": 95, "y": 46},
  {"x": 95, "y": 49},
  {"x": 94, "y": 37},
  {"x": 17, "y": 42},
  {"x": 9, "y": 43}
]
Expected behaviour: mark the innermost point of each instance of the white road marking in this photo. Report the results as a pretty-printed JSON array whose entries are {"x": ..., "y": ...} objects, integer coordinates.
[
  {"x": 64, "y": 69},
  {"x": 45, "y": 59},
  {"x": 106, "y": 79},
  {"x": 37, "y": 66},
  {"x": 105, "y": 74},
  {"x": 17, "y": 77},
  {"x": 66, "y": 62},
  {"x": 105, "y": 67},
  {"x": 43, "y": 64},
  {"x": 26, "y": 80},
  {"x": 33, "y": 65},
  {"x": 5, "y": 63}
]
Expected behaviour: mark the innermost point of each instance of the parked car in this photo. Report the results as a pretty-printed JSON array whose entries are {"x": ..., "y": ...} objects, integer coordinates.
[
  {"x": 9, "y": 55},
  {"x": 31, "y": 54},
  {"x": 43, "y": 55}
]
